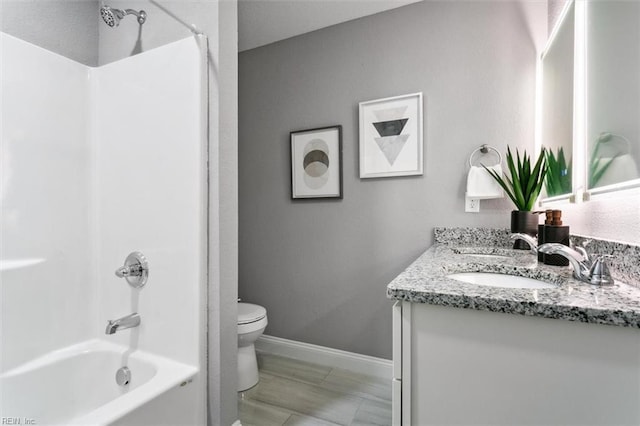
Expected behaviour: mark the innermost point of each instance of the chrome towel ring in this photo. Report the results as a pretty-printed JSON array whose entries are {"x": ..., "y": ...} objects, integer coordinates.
[{"x": 484, "y": 149}]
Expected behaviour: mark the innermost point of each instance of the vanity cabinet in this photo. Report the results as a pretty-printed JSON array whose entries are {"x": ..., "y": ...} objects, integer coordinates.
[{"x": 455, "y": 366}]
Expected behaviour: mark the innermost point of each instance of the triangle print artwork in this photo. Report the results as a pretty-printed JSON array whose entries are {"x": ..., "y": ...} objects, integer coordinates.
[{"x": 391, "y": 146}]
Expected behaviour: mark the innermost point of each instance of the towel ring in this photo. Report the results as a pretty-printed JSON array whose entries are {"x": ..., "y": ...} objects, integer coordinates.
[
  {"x": 484, "y": 149},
  {"x": 607, "y": 136}
]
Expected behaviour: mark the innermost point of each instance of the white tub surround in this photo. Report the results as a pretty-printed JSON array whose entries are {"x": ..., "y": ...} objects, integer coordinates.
[
  {"x": 98, "y": 163},
  {"x": 479, "y": 366}
]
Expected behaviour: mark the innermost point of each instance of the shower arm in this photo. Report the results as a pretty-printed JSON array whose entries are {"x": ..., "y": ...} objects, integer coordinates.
[{"x": 141, "y": 15}]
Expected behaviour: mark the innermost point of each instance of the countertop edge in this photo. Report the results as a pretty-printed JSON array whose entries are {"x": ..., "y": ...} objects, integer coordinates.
[{"x": 531, "y": 309}]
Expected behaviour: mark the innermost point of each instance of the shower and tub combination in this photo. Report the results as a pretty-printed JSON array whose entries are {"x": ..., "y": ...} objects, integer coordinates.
[{"x": 82, "y": 198}]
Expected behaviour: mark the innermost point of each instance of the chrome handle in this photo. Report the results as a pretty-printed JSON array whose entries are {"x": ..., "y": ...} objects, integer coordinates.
[
  {"x": 599, "y": 272},
  {"x": 130, "y": 271},
  {"x": 135, "y": 270}
]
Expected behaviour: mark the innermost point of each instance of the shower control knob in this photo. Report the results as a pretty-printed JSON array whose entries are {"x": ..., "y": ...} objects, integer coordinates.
[{"x": 135, "y": 270}]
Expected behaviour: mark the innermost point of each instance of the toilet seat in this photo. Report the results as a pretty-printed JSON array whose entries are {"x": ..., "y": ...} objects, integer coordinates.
[{"x": 248, "y": 313}]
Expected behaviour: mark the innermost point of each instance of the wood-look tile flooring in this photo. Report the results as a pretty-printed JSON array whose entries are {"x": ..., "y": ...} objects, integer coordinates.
[{"x": 293, "y": 392}]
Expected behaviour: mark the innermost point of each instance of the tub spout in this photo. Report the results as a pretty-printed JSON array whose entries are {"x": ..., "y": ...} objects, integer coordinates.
[{"x": 129, "y": 321}]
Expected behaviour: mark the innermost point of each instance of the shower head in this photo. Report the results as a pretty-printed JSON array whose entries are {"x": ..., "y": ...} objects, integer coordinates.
[{"x": 112, "y": 16}]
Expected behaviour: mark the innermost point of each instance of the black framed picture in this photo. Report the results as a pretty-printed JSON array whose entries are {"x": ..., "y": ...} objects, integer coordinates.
[{"x": 316, "y": 163}]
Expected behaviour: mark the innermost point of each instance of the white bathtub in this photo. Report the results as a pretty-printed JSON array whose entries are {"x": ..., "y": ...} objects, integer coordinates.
[{"x": 76, "y": 385}]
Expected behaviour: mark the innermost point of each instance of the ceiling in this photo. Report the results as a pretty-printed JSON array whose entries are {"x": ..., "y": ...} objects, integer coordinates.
[{"x": 261, "y": 22}]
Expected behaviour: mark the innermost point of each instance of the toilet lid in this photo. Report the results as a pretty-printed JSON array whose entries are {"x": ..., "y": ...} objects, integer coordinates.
[{"x": 248, "y": 312}]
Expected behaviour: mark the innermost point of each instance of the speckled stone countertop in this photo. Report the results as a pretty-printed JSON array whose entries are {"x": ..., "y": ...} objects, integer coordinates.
[{"x": 457, "y": 250}]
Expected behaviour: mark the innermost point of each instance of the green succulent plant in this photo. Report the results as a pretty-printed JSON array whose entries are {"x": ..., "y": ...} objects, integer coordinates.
[
  {"x": 524, "y": 184},
  {"x": 558, "y": 179}
]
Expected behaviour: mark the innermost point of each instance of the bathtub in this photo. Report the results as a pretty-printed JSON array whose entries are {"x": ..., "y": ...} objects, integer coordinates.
[{"x": 76, "y": 385}]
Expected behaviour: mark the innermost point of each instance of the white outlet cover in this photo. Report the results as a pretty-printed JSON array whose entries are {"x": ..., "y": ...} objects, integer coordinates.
[{"x": 471, "y": 205}]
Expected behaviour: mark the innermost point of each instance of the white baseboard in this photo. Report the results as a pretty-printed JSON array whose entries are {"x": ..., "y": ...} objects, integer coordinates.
[{"x": 329, "y": 357}]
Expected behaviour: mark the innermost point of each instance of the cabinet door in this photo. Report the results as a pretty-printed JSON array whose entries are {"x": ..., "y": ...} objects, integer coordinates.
[{"x": 477, "y": 367}]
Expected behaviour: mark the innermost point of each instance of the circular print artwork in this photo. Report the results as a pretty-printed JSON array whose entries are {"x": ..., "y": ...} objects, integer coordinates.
[{"x": 316, "y": 163}]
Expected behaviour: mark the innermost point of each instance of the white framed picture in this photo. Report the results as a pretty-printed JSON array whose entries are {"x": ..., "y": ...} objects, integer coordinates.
[
  {"x": 316, "y": 163},
  {"x": 391, "y": 136}
]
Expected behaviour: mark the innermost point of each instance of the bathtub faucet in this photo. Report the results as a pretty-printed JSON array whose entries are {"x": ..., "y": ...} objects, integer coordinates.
[{"x": 129, "y": 321}]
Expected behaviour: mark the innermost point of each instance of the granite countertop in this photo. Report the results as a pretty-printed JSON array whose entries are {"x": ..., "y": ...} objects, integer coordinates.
[{"x": 425, "y": 281}]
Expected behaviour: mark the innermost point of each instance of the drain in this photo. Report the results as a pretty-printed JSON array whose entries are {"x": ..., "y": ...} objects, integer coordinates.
[{"x": 123, "y": 376}]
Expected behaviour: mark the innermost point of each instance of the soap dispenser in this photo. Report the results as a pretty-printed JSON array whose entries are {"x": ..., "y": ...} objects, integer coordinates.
[
  {"x": 547, "y": 221},
  {"x": 555, "y": 232}
]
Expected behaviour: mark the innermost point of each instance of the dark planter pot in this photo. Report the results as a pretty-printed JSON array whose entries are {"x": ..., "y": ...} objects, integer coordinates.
[{"x": 524, "y": 223}]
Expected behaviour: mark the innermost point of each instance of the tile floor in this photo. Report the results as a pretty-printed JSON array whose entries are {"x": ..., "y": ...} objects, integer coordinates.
[{"x": 293, "y": 392}]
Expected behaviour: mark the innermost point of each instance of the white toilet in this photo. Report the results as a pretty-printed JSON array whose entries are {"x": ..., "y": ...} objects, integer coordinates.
[{"x": 252, "y": 320}]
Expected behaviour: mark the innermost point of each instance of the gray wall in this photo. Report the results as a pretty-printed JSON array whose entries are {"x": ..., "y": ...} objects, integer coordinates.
[
  {"x": 66, "y": 27},
  {"x": 321, "y": 267}
]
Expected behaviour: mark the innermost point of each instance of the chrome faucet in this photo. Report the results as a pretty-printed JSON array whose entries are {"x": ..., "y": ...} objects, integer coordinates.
[
  {"x": 533, "y": 243},
  {"x": 129, "y": 321},
  {"x": 594, "y": 272}
]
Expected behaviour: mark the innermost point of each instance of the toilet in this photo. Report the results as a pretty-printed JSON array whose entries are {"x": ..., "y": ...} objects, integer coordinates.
[{"x": 252, "y": 320}]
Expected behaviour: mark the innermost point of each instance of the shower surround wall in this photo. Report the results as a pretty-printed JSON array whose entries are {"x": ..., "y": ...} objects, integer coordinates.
[
  {"x": 321, "y": 267},
  {"x": 149, "y": 170},
  {"x": 96, "y": 163},
  {"x": 44, "y": 202},
  {"x": 218, "y": 20}
]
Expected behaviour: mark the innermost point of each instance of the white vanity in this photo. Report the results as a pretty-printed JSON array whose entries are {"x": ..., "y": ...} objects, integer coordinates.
[{"x": 468, "y": 354}]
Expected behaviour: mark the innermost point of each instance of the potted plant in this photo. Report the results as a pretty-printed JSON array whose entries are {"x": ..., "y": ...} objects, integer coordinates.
[{"x": 523, "y": 186}]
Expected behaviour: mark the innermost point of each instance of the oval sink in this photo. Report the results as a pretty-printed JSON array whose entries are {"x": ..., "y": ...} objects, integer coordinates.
[{"x": 499, "y": 280}]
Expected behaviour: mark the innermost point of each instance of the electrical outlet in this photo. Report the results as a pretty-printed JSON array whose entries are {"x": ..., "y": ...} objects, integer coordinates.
[{"x": 471, "y": 205}]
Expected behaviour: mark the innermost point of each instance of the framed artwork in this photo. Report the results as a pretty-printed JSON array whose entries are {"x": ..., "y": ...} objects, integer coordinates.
[
  {"x": 391, "y": 137},
  {"x": 316, "y": 163}
]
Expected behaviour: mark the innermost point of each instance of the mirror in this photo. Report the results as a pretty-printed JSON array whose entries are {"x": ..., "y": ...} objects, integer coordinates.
[
  {"x": 612, "y": 92},
  {"x": 557, "y": 105}
]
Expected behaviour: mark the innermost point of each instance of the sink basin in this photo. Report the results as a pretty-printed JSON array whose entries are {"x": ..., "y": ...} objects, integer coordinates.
[{"x": 499, "y": 280}]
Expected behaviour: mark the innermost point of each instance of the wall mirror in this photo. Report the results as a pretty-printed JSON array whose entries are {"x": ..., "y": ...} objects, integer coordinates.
[
  {"x": 590, "y": 100},
  {"x": 557, "y": 105},
  {"x": 612, "y": 94}
]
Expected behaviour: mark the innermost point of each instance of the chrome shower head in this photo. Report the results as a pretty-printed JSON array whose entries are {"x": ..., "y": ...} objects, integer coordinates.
[{"x": 112, "y": 16}]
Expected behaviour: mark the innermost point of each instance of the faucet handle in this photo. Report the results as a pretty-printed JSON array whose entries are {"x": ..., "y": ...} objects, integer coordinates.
[
  {"x": 599, "y": 272},
  {"x": 135, "y": 270}
]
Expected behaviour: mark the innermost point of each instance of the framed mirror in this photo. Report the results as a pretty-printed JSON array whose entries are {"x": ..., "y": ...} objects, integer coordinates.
[
  {"x": 590, "y": 100},
  {"x": 612, "y": 95},
  {"x": 556, "y": 131}
]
